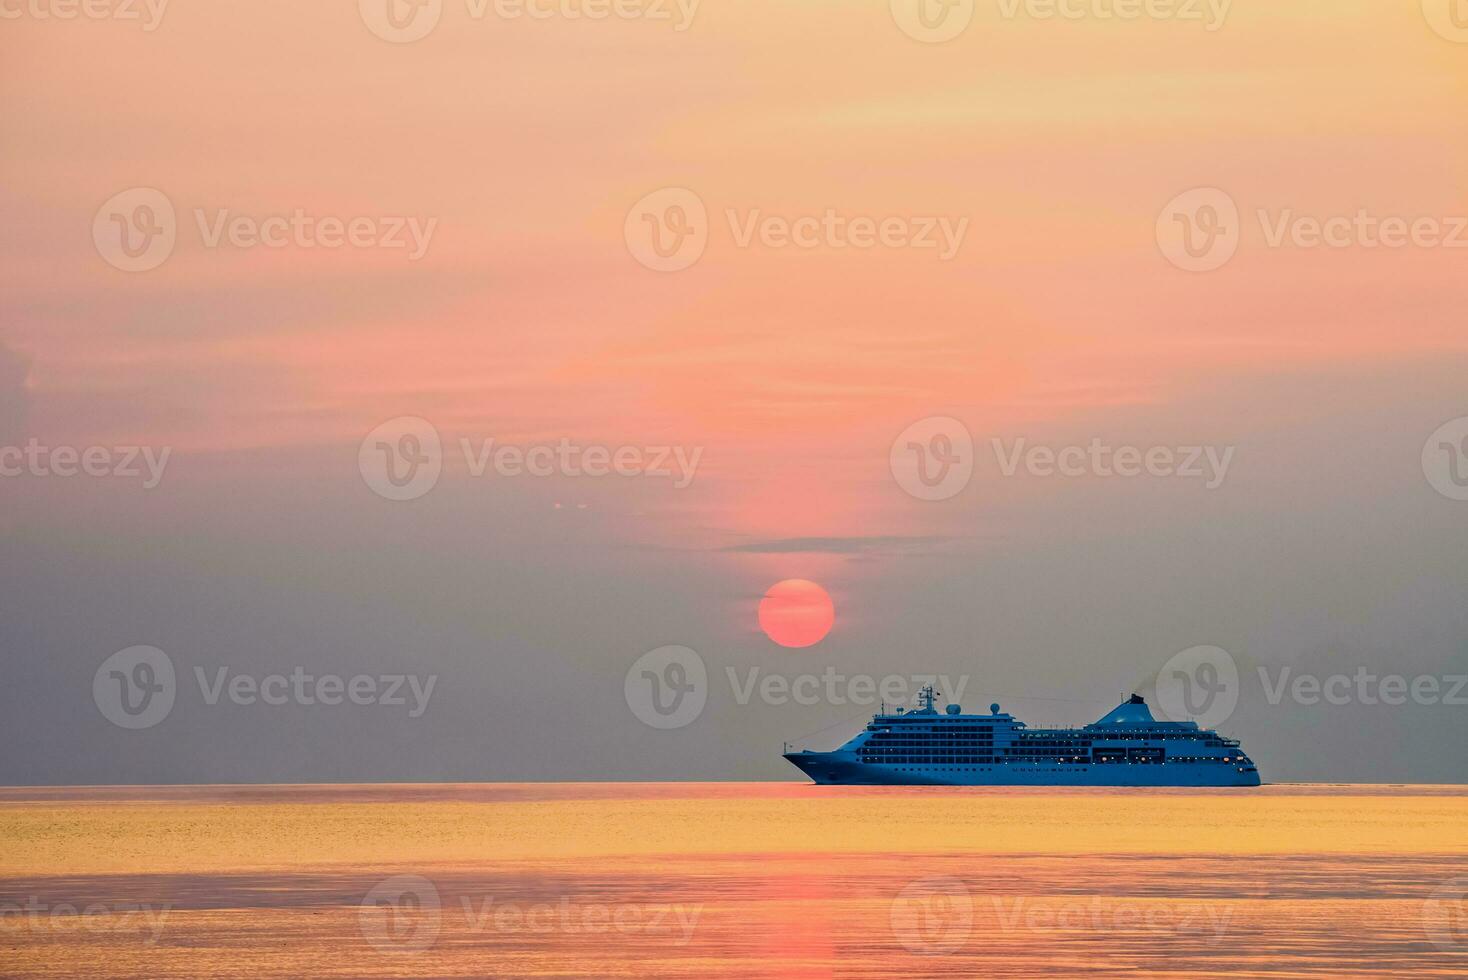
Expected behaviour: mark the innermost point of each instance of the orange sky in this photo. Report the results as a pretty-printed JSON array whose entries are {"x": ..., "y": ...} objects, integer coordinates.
[
  {"x": 528, "y": 145},
  {"x": 529, "y": 141}
]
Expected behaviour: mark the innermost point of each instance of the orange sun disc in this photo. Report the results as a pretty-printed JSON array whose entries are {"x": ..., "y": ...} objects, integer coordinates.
[{"x": 796, "y": 613}]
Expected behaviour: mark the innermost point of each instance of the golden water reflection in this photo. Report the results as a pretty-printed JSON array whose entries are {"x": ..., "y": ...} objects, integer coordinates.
[{"x": 739, "y": 880}]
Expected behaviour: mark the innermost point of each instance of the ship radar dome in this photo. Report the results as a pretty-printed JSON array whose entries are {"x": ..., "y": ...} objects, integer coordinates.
[
  {"x": 994, "y": 708},
  {"x": 954, "y": 709}
]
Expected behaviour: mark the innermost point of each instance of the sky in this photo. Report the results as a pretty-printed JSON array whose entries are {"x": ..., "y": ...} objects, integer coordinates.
[{"x": 506, "y": 176}]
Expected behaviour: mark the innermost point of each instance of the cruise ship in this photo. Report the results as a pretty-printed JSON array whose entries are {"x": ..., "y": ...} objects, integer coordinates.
[{"x": 1126, "y": 747}]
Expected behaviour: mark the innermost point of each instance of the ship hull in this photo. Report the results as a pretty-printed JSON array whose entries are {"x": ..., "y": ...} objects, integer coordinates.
[{"x": 844, "y": 769}]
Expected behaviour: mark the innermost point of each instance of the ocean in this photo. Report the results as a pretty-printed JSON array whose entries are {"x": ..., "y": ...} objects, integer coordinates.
[{"x": 698, "y": 880}]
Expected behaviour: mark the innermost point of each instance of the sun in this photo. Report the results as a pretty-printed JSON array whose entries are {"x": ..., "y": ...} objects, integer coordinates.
[{"x": 796, "y": 613}]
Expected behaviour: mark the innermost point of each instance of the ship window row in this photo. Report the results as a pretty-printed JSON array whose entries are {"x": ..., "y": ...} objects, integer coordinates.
[
  {"x": 1156, "y": 735},
  {"x": 1130, "y": 755},
  {"x": 890, "y": 754},
  {"x": 927, "y": 755},
  {"x": 912, "y": 739},
  {"x": 916, "y": 734},
  {"x": 931, "y": 722},
  {"x": 928, "y": 740},
  {"x": 922, "y": 760},
  {"x": 934, "y": 730}
]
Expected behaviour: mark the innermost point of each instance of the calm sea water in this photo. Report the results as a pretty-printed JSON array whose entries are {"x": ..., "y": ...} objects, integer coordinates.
[{"x": 737, "y": 880}]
